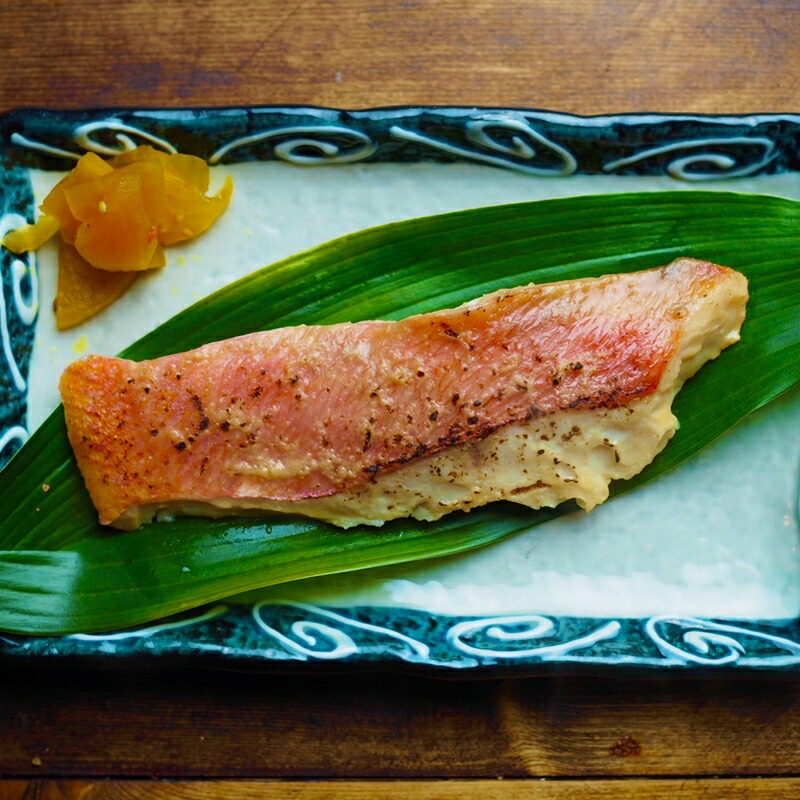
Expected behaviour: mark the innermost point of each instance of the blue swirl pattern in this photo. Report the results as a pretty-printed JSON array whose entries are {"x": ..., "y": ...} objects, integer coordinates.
[
  {"x": 275, "y": 632},
  {"x": 18, "y": 312}
]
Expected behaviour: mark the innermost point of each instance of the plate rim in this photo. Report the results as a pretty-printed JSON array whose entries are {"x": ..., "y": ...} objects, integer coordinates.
[{"x": 710, "y": 646}]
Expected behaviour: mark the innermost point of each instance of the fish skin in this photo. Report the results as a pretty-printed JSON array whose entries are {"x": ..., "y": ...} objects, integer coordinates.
[{"x": 311, "y": 411}]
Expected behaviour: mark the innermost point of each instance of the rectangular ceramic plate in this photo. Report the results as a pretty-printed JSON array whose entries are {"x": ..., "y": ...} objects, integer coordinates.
[{"x": 699, "y": 568}]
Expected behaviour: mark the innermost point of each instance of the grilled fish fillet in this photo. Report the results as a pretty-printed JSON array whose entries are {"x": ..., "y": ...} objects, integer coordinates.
[{"x": 538, "y": 395}]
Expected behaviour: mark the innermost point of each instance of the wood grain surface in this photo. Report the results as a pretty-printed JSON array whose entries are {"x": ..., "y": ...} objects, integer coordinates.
[
  {"x": 589, "y": 57},
  {"x": 685, "y": 789},
  {"x": 217, "y": 724},
  {"x": 388, "y": 736}
]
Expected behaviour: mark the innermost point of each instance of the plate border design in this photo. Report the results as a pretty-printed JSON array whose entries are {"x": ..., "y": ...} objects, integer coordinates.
[{"x": 281, "y": 632}]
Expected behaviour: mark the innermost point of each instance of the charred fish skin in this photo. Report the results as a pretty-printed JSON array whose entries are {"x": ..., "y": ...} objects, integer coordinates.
[{"x": 537, "y": 394}]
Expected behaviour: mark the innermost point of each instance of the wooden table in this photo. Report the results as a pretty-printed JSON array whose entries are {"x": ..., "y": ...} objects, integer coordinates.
[{"x": 64, "y": 734}]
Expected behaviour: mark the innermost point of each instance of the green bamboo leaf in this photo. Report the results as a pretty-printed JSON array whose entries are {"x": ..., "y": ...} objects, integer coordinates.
[{"x": 60, "y": 572}]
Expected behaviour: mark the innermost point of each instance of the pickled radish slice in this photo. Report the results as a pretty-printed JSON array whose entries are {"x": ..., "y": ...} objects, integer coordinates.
[
  {"x": 31, "y": 237},
  {"x": 83, "y": 290},
  {"x": 90, "y": 167},
  {"x": 117, "y": 216}
]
